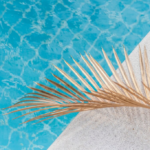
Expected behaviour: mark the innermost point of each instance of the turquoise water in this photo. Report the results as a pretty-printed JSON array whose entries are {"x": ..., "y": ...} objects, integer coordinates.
[{"x": 36, "y": 33}]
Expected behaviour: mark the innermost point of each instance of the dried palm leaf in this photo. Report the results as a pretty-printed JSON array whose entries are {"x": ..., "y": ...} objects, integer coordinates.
[{"x": 117, "y": 93}]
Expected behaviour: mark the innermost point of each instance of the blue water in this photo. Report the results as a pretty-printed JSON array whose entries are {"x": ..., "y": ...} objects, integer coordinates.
[{"x": 36, "y": 33}]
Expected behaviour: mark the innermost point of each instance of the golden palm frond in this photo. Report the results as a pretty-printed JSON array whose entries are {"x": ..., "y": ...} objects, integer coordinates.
[{"x": 124, "y": 91}]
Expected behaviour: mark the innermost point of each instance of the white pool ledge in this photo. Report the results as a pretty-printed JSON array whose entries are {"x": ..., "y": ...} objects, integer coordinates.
[{"x": 111, "y": 128}]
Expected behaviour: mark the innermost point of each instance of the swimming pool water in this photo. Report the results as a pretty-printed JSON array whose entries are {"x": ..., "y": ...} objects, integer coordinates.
[{"x": 34, "y": 34}]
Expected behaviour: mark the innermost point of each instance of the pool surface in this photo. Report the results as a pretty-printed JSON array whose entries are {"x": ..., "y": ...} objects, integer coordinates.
[{"x": 35, "y": 34}]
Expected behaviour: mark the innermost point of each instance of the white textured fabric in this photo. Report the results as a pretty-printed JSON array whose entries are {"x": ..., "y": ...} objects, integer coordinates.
[{"x": 112, "y": 128}]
